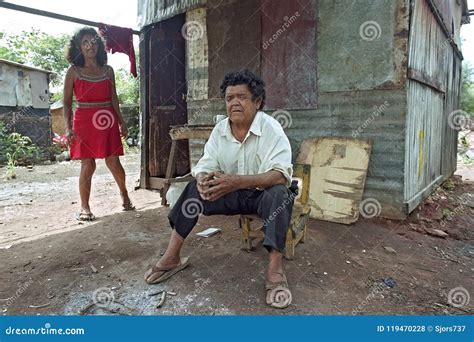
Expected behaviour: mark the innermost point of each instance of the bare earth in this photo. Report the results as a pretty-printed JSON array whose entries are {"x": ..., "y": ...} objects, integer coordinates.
[{"x": 52, "y": 264}]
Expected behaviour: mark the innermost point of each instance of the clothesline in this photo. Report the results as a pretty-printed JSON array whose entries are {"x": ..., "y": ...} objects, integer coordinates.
[
  {"x": 117, "y": 39},
  {"x": 52, "y": 15}
]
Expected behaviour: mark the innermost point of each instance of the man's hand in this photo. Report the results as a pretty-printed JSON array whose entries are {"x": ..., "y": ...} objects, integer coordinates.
[
  {"x": 218, "y": 185},
  {"x": 201, "y": 178}
]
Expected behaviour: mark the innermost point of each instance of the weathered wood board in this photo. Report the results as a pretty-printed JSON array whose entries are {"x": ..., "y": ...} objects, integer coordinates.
[{"x": 338, "y": 172}]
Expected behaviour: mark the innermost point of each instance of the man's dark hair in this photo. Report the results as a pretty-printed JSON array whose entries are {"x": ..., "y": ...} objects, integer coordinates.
[
  {"x": 74, "y": 54},
  {"x": 253, "y": 82}
]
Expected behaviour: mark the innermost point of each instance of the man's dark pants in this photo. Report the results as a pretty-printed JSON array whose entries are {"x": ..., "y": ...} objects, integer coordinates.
[{"x": 274, "y": 205}]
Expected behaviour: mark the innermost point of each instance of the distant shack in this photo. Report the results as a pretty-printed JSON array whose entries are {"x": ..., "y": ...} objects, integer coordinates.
[{"x": 24, "y": 101}]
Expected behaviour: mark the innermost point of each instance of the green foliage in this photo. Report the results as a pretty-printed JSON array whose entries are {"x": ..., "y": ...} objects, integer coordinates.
[
  {"x": 17, "y": 149},
  {"x": 45, "y": 51},
  {"x": 37, "y": 49},
  {"x": 127, "y": 87},
  {"x": 11, "y": 174},
  {"x": 467, "y": 89}
]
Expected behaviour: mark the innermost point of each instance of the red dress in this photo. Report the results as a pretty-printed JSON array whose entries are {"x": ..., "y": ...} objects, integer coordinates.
[{"x": 95, "y": 124}]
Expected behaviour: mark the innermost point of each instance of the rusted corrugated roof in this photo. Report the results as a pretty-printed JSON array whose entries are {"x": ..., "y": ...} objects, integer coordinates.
[{"x": 22, "y": 66}]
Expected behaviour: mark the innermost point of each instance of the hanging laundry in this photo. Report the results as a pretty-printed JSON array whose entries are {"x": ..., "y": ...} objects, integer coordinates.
[{"x": 119, "y": 39}]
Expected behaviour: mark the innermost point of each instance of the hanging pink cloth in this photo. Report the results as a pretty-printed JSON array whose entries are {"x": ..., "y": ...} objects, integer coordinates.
[{"x": 119, "y": 39}]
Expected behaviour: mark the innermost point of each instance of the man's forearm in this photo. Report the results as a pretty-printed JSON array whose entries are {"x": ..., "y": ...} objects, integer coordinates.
[{"x": 262, "y": 180}]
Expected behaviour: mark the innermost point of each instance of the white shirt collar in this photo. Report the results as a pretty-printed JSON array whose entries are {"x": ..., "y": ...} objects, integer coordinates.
[{"x": 255, "y": 127}]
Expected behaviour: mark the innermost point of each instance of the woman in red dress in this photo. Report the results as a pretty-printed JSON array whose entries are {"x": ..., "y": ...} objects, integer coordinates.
[{"x": 96, "y": 128}]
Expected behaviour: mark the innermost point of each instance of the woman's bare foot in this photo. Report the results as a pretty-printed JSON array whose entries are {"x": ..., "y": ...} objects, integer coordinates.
[{"x": 126, "y": 202}]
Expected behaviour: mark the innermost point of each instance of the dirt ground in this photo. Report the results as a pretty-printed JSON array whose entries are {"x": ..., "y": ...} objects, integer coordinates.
[{"x": 52, "y": 264}]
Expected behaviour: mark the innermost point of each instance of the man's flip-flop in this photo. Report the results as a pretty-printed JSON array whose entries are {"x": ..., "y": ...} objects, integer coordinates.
[
  {"x": 168, "y": 272},
  {"x": 280, "y": 296}
]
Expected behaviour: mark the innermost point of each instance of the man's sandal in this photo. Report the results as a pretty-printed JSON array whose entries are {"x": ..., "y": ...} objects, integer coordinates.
[
  {"x": 278, "y": 294},
  {"x": 165, "y": 272}
]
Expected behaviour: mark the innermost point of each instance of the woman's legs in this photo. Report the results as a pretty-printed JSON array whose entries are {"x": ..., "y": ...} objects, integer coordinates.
[
  {"x": 115, "y": 167},
  {"x": 85, "y": 180}
]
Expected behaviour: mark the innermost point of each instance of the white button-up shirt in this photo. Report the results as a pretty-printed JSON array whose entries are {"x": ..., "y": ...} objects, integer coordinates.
[{"x": 265, "y": 148}]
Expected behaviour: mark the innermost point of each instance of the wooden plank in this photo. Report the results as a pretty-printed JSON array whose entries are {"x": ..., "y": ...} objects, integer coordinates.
[
  {"x": 189, "y": 132},
  {"x": 144, "y": 107},
  {"x": 338, "y": 171},
  {"x": 157, "y": 183},
  {"x": 289, "y": 53},
  {"x": 423, "y": 78},
  {"x": 197, "y": 57},
  {"x": 232, "y": 26},
  {"x": 416, "y": 200},
  {"x": 303, "y": 171}
]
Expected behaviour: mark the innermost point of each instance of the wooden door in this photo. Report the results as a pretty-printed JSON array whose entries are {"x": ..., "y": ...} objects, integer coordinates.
[{"x": 167, "y": 89}]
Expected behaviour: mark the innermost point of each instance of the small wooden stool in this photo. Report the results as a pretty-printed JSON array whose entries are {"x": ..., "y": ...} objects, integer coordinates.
[
  {"x": 299, "y": 217},
  {"x": 179, "y": 133}
]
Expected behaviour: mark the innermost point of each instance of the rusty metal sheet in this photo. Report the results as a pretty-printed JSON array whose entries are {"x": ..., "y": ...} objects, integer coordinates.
[
  {"x": 289, "y": 53},
  {"x": 153, "y": 11},
  {"x": 234, "y": 36},
  {"x": 167, "y": 103},
  {"x": 338, "y": 171}
]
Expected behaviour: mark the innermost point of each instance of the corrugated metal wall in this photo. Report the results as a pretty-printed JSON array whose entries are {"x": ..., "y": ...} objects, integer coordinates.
[
  {"x": 349, "y": 104},
  {"x": 433, "y": 90},
  {"x": 362, "y": 90}
]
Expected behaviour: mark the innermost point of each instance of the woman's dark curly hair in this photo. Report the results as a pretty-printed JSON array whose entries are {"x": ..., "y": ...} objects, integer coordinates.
[
  {"x": 253, "y": 82},
  {"x": 74, "y": 54}
]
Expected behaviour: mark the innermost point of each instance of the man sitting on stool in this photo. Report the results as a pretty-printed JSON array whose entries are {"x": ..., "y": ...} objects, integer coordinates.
[{"x": 246, "y": 169}]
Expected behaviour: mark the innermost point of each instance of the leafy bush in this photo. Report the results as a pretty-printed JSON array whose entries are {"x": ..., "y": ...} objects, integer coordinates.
[{"x": 17, "y": 149}]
